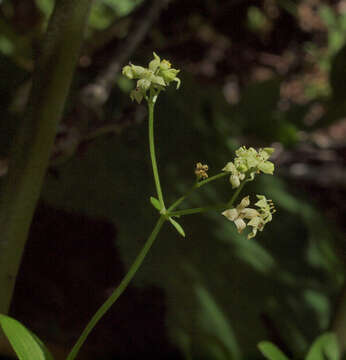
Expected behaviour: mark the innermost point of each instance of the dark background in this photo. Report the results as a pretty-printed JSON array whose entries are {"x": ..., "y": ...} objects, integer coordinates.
[{"x": 254, "y": 73}]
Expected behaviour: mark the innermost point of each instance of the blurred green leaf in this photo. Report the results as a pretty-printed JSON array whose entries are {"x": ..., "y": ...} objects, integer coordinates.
[
  {"x": 337, "y": 75},
  {"x": 257, "y": 20},
  {"x": 122, "y": 7},
  {"x": 328, "y": 16},
  {"x": 100, "y": 17},
  {"x": 46, "y": 6},
  {"x": 214, "y": 322},
  {"x": 25, "y": 344},
  {"x": 325, "y": 347},
  {"x": 6, "y": 46},
  {"x": 271, "y": 351}
]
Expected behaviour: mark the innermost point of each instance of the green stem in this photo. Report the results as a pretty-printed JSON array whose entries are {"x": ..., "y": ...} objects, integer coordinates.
[
  {"x": 212, "y": 178},
  {"x": 118, "y": 291},
  {"x": 35, "y": 137},
  {"x": 151, "y": 105},
  {"x": 196, "y": 186},
  {"x": 236, "y": 193},
  {"x": 218, "y": 207},
  {"x": 198, "y": 210}
]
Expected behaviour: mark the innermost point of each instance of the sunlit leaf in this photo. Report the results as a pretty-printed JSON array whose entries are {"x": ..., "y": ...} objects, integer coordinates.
[
  {"x": 271, "y": 351},
  {"x": 214, "y": 320},
  {"x": 26, "y": 345},
  {"x": 324, "y": 347},
  {"x": 46, "y": 6}
]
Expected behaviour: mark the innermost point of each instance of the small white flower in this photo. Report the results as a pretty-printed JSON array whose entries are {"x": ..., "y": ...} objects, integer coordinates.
[
  {"x": 157, "y": 76},
  {"x": 249, "y": 162},
  {"x": 239, "y": 213},
  {"x": 257, "y": 218}
]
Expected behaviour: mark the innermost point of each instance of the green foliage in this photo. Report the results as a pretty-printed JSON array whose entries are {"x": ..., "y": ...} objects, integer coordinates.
[
  {"x": 271, "y": 352},
  {"x": 155, "y": 203},
  {"x": 257, "y": 21},
  {"x": 325, "y": 347},
  {"x": 290, "y": 275},
  {"x": 103, "y": 11},
  {"x": 177, "y": 227},
  {"x": 246, "y": 278},
  {"x": 26, "y": 345}
]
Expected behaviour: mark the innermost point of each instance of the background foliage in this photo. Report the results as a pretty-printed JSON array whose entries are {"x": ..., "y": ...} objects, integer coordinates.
[{"x": 256, "y": 73}]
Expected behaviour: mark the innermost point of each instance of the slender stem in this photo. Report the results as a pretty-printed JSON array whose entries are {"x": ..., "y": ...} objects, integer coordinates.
[
  {"x": 32, "y": 145},
  {"x": 212, "y": 178},
  {"x": 195, "y": 187},
  {"x": 236, "y": 193},
  {"x": 151, "y": 104},
  {"x": 181, "y": 199},
  {"x": 118, "y": 291},
  {"x": 198, "y": 210},
  {"x": 205, "y": 208}
]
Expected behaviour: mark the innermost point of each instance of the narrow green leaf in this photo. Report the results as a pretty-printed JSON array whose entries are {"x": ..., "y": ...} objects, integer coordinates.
[
  {"x": 47, "y": 353},
  {"x": 324, "y": 347},
  {"x": 25, "y": 344},
  {"x": 155, "y": 203},
  {"x": 177, "y": 227},
  {"x": 271, "y": 351}
]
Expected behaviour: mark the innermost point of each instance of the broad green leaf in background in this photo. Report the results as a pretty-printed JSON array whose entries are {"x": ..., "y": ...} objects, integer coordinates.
[
  {"x": 26, "y": 345},
  {"x": 122, "y": 7},
  {"x": 47, "y": 354},
  {"x": 324, "y": 347},
  {"x": 271, "y": 351},
  {"x": 46, "y": 6},
  {"x": 211, "y": 317}
]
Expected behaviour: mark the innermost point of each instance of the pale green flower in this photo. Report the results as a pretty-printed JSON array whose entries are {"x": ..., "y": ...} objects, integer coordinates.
[
  {"x": 249, "y": 162},
  {"x": 155, "y": 63},
  {"x": 241, "y": 212},
  {"x": 266, "y": 210},
  {"x": 257, "y": 218},
  {"x": 236, "y": 176},
  {"x": 257, "y": 224},
  {"x": 157, "y": 76}
]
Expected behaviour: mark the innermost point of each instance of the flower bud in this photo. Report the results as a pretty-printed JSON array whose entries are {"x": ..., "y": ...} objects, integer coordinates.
[
  {"x": 266, "y": 167},
  {"x": 234, "y": 180},
  {"x": 155, "y": 63},
  {"x": 165, "y": 65},
  {"x": 137, "y": 71},
  {"x": 137, "y": 95},
  {"x": 169, "y": 74},
  {"x": 143, "y": 84},
  {"x": 127, "y": 71}
]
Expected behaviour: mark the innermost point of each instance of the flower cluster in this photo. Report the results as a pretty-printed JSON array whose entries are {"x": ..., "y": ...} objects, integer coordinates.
[
  {"x": 201, "y": 171},
  {"x": 157, "y": 76},
  {"x": 257, "y": 217},
  {"x": 249, "y": 162}
]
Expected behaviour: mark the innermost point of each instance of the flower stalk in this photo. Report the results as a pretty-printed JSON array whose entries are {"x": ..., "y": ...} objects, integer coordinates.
[
  {"x": 151, "y": 106},
  {"x": 151, "y": 81}
]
